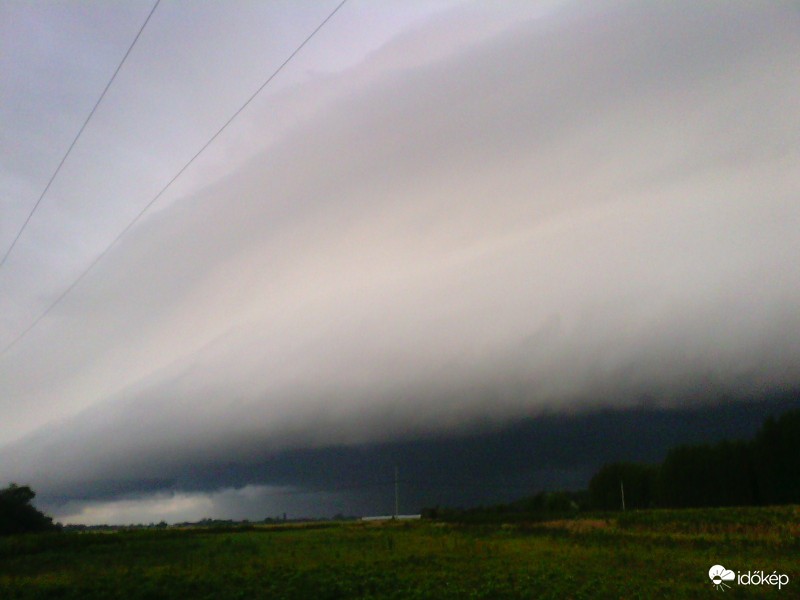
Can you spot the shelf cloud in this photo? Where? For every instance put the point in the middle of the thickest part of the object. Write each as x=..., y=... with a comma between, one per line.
x=595, y=207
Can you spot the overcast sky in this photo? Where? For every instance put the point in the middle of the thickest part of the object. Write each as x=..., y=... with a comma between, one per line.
x=441, y=219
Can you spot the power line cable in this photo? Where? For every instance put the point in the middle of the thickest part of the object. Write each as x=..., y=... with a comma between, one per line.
x=77, y=136
x=141, y=213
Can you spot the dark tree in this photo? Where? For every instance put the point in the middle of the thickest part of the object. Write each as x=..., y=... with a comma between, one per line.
x=777, y=459
x=17, y=515
x=719, y=475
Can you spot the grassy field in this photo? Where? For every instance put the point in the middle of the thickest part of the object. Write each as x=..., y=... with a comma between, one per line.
x=647, y=554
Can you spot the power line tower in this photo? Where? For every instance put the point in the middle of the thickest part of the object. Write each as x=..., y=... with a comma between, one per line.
x=396, y=493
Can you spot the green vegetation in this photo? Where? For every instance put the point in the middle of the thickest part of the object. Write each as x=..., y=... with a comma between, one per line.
x=541, y=507
x=17, y=515
x=637, y=554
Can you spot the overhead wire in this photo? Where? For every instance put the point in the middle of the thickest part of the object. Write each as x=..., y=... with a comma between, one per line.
x=147, y=206
x=77, y=137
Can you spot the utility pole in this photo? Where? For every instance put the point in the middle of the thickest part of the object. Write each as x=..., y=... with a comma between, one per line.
x=396, y=494
x=622, y=493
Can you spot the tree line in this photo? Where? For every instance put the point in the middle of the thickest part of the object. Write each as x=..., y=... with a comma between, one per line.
x=761, y=471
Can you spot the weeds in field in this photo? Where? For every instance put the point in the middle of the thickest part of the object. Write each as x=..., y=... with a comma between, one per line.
x=637, y=554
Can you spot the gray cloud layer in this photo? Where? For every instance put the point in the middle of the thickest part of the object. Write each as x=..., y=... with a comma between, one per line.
x=590, y=208
x=552, y=451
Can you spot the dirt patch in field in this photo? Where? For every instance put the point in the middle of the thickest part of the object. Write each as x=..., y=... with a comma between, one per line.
x=571, y=525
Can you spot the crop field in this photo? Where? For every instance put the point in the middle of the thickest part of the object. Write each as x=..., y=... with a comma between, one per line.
x=641, y=554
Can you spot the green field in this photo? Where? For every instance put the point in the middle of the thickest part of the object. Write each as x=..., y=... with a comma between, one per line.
x=643, y=554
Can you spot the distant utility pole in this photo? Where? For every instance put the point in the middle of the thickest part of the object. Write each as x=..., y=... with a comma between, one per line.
x=622, y=493
x=396, y=494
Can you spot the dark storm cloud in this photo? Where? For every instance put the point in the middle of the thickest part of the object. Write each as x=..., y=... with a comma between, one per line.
x=554, y=451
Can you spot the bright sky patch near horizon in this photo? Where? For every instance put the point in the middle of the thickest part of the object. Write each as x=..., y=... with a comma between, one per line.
x=440, y=214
